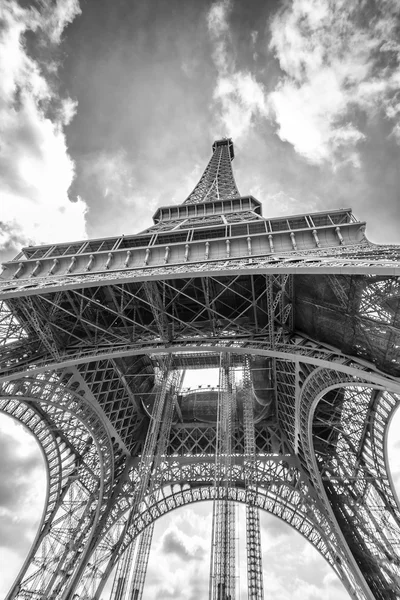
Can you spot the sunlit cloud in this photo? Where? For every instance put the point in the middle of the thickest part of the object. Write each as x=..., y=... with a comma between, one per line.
x=22, y=490
x=332, y=55
x=109, y=179
x=36, y=169
x=239, y=97
x=176, y=542
x=180, y=557
x=282, y=203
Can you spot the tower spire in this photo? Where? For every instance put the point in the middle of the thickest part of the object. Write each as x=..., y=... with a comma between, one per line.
x=217, y=181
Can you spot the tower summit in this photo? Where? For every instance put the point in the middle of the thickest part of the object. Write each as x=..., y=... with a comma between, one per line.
x=299, y=314
x=217, y=181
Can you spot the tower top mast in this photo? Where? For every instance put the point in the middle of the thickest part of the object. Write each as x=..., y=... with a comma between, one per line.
x=217, y=181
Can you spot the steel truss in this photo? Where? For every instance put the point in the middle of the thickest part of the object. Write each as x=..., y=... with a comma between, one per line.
x=255, y=584
x=140, y=568
x=122, y=574
x=95, y=337
x=217, y=181
x=115, y=530
x=155, y=448
x=276, y=499
x=223, y=556
x=130, y=575
x=78, y=453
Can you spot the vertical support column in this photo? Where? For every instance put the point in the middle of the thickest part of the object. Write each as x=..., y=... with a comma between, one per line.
x=271, y=307
x=85, y=479
x=154, y=449
x=106, y=559
x=140, y=568
x=253, y=533
x=255, y=582
x=121, y=578
x=223, y=556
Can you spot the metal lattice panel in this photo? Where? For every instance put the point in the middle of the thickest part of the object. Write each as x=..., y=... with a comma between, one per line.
x=140, y=567
x=217, y=180
x=95, y=337
x=253, y=534
x=85, y=468
x=223, y=556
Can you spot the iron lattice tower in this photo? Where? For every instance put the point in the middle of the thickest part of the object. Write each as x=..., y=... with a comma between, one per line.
x=300, y=314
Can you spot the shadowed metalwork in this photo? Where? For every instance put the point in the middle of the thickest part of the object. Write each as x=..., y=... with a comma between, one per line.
x=301, y=316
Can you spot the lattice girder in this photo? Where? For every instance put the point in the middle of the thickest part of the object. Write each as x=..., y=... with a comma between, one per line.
x=223, y=563
x=103, y=561
x=86, y=328
x=11, y=330
x=253, y=534
x=80, y=475
x=287, y=496
x=348, y=467
x=122, y=574
x=136, y=571
x=359, y=259
x=217, y=181
x=198, y=467
x=90, y=324
x=140, y=567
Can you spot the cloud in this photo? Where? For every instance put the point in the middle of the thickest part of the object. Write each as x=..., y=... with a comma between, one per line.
x=22, y=491
x=55, y=16
x=107, y=180
x=341, y=66
x=239, y=97
x=36, y=170
x=20, y=455
x=276, y=530
x=174, y=542
x=393, y=449
x=293, y=588
x=180, y=556
x=282, y=203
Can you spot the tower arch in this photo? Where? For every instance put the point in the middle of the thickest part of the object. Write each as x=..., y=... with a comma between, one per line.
x=94, y=337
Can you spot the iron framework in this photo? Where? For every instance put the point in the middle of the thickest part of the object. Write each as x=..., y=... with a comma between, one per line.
x=95, y=339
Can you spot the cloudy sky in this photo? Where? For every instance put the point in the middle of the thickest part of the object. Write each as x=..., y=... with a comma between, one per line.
x=108, y=109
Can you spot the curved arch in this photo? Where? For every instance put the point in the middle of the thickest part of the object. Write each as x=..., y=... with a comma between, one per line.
x=347, y=370
x=185, y=497
x=307, y=528
x=83, y=484
x=340, y=558
x=352, y=478
x=312, y=353
x=282, y=491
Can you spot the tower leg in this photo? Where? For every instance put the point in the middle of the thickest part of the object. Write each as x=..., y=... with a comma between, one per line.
x=45, y=404
x=108, y=548
x=140, y=567
x=121, y=579
x=253, y=534
x=254, y=555
x=223, y=556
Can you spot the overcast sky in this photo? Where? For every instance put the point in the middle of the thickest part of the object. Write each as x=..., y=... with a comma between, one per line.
x=108, y=109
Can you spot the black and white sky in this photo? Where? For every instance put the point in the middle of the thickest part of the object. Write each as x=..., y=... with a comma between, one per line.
x=108, y=109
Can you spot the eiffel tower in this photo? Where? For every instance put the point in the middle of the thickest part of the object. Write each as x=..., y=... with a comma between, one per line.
x=300, y=317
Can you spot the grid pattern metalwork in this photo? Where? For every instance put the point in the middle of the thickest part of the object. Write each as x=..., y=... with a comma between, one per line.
x=255, y=584
x=217, y=181
x=95, y=337
x=223, y=556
